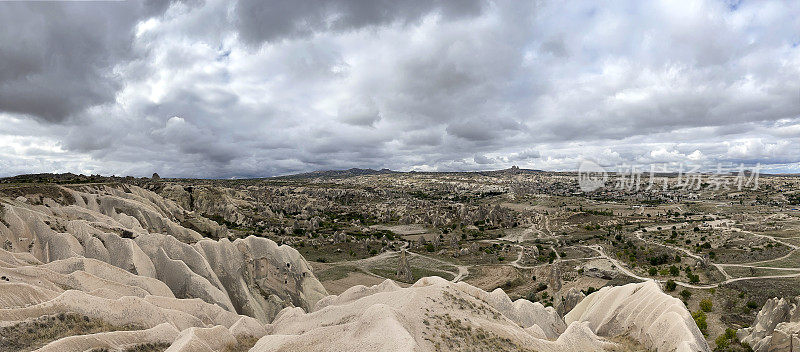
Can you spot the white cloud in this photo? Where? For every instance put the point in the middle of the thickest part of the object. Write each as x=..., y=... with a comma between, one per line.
x=207, y=90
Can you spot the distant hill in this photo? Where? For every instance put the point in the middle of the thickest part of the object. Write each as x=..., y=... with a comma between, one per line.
x=360, y=172
x=338, y=173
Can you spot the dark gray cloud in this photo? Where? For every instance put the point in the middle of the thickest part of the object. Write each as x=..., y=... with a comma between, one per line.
x=251, y=88
x=57, y=58
x=258, y=21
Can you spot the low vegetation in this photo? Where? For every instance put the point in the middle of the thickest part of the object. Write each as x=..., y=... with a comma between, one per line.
x=36, y=333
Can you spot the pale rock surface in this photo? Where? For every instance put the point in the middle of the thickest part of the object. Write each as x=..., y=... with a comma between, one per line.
x=202, y=340
x=139, y=232
x=386, y=317
x=436, y=314
x=523, y=312
x=569, y=301
x=114, y=340
x=186, y=324
x=776, y=327
x=642, y=312
x=19, y=294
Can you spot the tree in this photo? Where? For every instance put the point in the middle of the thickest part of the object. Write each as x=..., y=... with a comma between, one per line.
x=674, y=271
x=685, y=294
x=670, y=285
x=700, y=319
x=706, y=305
x=722, y=343
x=653, y=271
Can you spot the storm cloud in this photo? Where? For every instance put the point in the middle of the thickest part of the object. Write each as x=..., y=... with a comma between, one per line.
x=259, y=88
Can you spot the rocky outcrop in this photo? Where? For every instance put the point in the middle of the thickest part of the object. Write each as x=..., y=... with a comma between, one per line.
x=435, y=314
x=225, y=203
x=642, y=312
x=555, y=277
x=98, y=290
x=776, y=328
x=140, y=234
x=432, y=314
x=569, y=301
x=403, y=269
x=600, y=268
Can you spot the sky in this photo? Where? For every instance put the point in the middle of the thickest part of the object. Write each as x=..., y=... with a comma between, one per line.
x=255, y=88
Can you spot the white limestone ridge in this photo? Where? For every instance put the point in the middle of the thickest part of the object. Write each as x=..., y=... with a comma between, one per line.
x=435, y=314
x=642, y=312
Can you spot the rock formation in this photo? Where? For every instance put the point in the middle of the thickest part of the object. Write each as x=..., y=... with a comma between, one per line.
x=569, y=301
x=140, y=232
x=98, y=290
x=403, y=269
x=555, y=277
x=642, y=312
x=776, y=328
x=435, y=314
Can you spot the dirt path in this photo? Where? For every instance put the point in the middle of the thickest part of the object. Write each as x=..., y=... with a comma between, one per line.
x=629, y=273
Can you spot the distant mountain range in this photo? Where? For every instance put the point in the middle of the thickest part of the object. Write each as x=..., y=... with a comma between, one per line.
x=361, y=172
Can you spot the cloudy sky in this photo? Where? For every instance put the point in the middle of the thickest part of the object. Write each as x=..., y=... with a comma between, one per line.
x=246, y=88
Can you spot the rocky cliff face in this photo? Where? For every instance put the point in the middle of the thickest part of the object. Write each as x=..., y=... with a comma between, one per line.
x=776, y=328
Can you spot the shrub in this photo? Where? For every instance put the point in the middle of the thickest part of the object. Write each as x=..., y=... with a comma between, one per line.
x=541, y=287
x=686, y=294
x=673, y=270
x=722, y=342
x=670, y=285
x=725, y=340
x=730, y=334
x=752, y=304
x=700, y=319
x=653, y=271
x=706, y=305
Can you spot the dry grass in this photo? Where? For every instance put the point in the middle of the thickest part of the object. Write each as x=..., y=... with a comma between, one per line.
x=243, y=344
x=450, y=334
x=36, y=333
x=145, y=347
